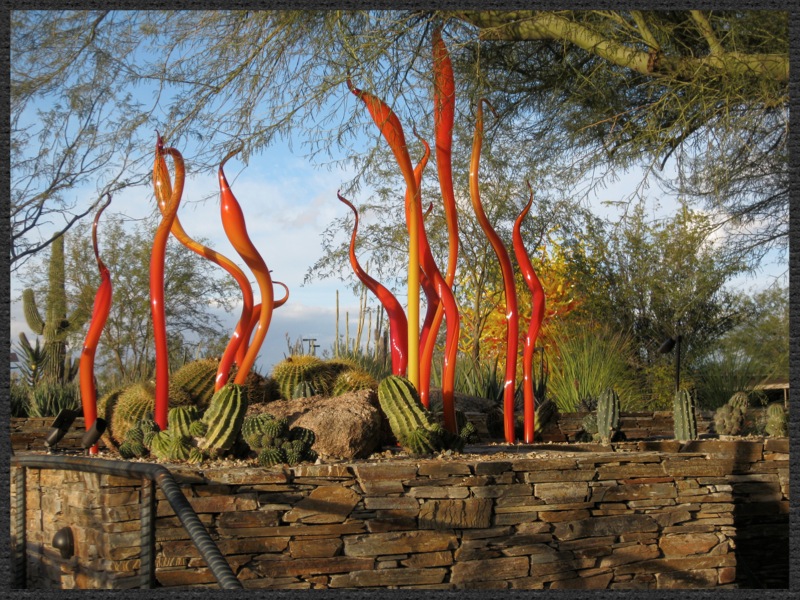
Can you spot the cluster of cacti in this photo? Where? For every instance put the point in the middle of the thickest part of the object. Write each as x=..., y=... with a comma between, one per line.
x=411, y=423
x=684, y=408
x=190, y=435
x=776, y=420
x=57, y=367
x=607, y=415
x=303, y=375
x=276, y=443
x=729, y=419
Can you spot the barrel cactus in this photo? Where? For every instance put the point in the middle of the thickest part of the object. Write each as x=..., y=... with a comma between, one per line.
x=728, y=420
x=180, y=418
x=223, y=419
x=271, y=456
x=776, y=420
x=295, y=369
x=684, y=415
x=254, y=428
x=194, y=383
x=304, y=389
x=131, y=406
x=353, y=380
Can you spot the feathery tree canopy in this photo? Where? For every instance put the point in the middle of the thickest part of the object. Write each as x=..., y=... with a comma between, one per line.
x=700, y=94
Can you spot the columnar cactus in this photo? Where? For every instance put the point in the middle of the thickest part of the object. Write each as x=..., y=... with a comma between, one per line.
x=56, y=325
x=776, y=420
x=607, y=415
x=223, y=418
x=411, y=424
x=685, y=420
x=401, y=405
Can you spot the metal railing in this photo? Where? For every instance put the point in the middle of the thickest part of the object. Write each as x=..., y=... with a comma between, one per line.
x=149, y=473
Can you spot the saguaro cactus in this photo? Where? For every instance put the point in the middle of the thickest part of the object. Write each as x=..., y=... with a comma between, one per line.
x=56, y=325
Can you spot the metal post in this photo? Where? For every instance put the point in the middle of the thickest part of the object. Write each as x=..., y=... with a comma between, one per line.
x=678, y=364
x=147, y=514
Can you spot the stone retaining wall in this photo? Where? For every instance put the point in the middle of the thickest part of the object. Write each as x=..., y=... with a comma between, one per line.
x=647, y=515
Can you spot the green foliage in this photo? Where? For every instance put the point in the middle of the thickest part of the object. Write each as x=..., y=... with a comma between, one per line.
x=722, y=374
x=32, y=363
x=48, y=399
x=473, y=377
x=19, y=397
x=684, y=415
x=590, y=360
x=125, y=352
x=762, y=338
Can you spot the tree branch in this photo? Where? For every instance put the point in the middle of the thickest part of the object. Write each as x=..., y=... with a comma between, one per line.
x=543, y=25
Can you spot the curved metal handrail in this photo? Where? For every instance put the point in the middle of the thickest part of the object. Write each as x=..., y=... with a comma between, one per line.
x=155, y=473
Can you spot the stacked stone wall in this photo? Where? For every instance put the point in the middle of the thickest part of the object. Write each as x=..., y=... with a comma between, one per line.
x=646, y=515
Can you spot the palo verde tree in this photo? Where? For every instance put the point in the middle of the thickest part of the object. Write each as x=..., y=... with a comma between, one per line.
x=705, y=93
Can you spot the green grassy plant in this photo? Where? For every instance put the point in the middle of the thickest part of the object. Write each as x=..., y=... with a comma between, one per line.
x=48, y=399
x=590, y=359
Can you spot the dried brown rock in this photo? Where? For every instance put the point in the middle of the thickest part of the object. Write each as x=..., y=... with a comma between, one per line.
x=346, y=427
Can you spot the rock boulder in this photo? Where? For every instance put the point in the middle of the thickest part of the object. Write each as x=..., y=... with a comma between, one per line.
x=346, y=427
